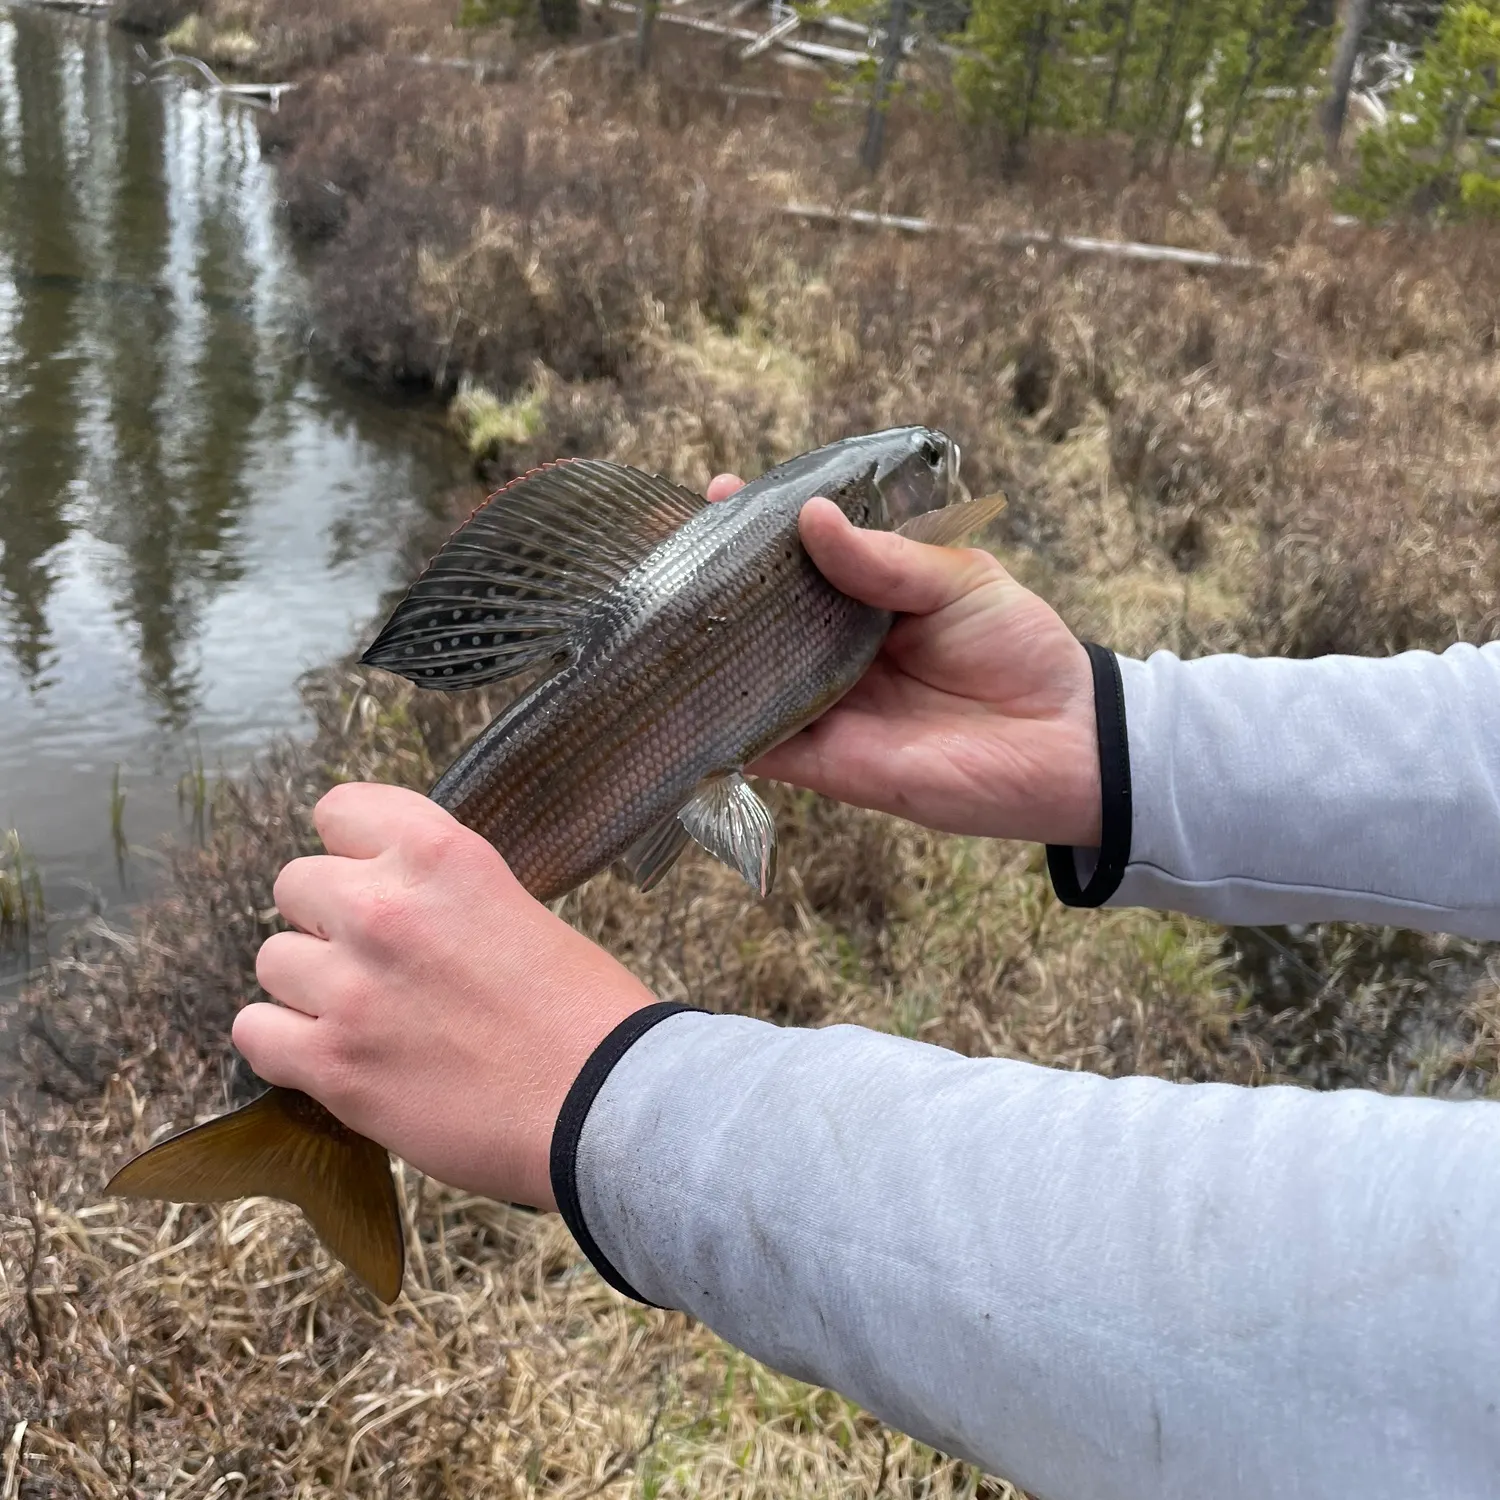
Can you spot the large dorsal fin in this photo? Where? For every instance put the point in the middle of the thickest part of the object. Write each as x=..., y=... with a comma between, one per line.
x=510, y=585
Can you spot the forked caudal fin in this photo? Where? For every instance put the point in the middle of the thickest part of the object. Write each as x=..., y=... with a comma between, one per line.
x=286, y=1145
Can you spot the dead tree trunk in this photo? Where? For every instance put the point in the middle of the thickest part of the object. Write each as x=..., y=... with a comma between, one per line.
x=645, y=27
x=559, y=17
x=1117, y=73
x=1341, y=74
x=873, y=148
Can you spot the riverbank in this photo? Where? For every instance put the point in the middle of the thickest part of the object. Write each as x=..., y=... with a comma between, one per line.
x=1295, y=461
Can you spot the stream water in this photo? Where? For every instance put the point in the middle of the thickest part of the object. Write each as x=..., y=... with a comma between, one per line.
x=191, y=513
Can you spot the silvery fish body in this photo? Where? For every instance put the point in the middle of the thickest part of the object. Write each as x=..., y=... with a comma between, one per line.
x=673, y=642
x=717, y=641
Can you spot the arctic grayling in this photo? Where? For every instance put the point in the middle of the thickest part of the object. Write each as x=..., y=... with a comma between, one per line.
x=672, y=642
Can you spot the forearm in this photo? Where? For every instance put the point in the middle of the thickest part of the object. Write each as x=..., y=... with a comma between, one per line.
x=1342, y=788
x=1095, y=1288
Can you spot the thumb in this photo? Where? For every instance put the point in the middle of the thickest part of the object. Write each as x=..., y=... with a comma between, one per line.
x=887, y=570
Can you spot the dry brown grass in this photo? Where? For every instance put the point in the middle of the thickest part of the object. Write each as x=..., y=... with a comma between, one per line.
x=1297, y=462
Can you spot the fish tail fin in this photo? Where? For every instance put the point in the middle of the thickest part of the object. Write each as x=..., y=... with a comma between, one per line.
x=286, y=1145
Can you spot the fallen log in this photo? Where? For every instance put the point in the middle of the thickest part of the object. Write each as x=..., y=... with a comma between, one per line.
x=787, y=47
x=768, y=96
x=1018, y=239
x=252, y=93
x=769, y=39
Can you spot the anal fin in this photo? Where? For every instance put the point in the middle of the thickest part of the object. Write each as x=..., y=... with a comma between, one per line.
x=953, y=523
x=735, y=826
x=286, y=1145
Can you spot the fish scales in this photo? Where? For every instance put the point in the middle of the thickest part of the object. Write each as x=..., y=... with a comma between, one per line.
x=676, y=642
x=722, y=643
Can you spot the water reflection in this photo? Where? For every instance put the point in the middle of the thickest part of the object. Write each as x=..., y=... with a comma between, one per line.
x=177, y=491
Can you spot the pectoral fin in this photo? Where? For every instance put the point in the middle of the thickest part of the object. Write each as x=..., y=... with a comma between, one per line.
x=954, y=523
x=286, y=1145
x=735, y=826
x=654, y=853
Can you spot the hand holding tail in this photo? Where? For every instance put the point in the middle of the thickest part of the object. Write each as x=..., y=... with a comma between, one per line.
x=426, y=1000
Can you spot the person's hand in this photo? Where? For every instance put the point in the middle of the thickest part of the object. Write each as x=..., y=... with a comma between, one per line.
x=428, y=1001
x=977, y=716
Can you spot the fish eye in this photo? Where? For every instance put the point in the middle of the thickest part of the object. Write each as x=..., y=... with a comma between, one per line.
x=931, y=453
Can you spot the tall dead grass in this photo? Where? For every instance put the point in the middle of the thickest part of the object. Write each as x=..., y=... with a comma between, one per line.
x=1301, y=461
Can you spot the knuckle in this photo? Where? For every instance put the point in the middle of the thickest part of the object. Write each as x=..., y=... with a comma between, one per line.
x=335, y=1076
x=247, y=1038
x=430, y=844
x=985, y=565
x=340, y=1065
x=893, y=564
x=334, y=798
x=441, y=842
x=372, y=909
x=344, y=995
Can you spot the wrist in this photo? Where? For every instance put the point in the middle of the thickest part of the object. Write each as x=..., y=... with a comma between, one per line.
x=566, y=1053
x=572, y=1117
x=1079, y=804
x=1091, y=881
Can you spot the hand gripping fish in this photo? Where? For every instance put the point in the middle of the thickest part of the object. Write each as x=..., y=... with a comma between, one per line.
x=675, y=642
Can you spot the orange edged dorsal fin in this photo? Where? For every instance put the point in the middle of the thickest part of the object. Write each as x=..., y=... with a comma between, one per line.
x=511, y=588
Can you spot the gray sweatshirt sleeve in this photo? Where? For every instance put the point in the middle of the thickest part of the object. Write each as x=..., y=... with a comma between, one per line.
x=1119, y=1289
x=1264, y=790
x=1099, y=1289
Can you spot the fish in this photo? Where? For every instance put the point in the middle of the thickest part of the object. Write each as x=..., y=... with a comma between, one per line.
x=671, y=642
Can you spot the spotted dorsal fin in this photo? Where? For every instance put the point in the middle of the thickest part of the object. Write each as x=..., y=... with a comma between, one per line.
x=509, y=587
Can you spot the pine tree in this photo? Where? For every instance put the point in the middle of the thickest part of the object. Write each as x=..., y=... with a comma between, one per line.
x=1431, y=157
x=1164, y=72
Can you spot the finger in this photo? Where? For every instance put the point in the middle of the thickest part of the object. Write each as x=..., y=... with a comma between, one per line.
x=360, y=819
x=277, y=1043
x=798, y=761
x=888, y=570
x=722, y=486
x=296, y=970
x=310, y=891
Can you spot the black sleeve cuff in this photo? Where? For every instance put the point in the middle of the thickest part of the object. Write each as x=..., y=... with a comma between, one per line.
x=1114, y=785
x=563, y=1162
